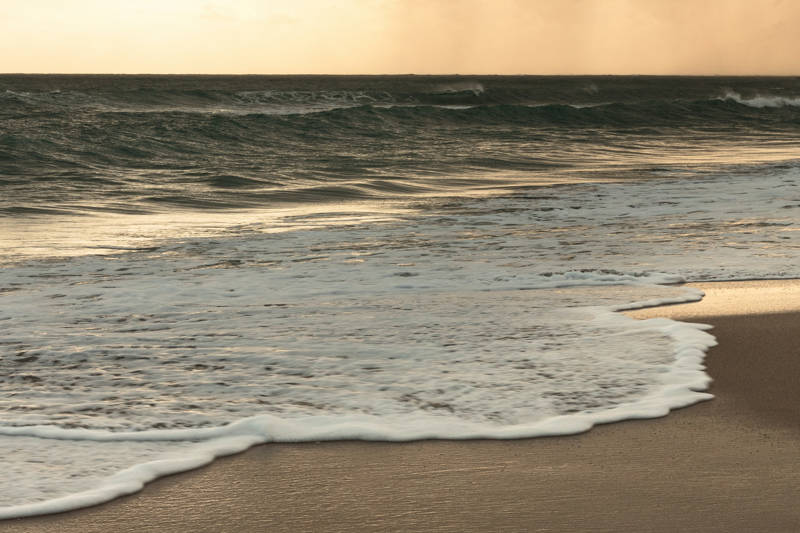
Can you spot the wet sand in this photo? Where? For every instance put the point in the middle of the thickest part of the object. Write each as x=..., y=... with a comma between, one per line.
x=730, y=464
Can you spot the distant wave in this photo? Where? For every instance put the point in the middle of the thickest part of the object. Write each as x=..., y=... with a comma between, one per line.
x=267, y=101
x=448, y=102
x=473, y=87
x=647, y=114
x=761, y=101
x=484, y=100
x=591, y=88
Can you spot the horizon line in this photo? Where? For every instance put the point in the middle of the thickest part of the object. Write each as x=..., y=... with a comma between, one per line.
x=409, y=74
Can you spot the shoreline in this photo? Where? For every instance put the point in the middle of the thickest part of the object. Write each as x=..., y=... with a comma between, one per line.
x=723, y=465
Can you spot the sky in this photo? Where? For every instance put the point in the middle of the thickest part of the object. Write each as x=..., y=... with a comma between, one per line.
x=401, y=36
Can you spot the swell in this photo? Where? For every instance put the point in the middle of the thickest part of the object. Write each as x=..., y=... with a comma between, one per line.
x=674, y=114
x=353, y=110
x=146, y=144
x=172, y=139
x=156, y=161
x=301, y=94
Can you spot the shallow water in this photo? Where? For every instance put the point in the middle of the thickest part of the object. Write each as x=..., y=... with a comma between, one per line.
x=185, y=275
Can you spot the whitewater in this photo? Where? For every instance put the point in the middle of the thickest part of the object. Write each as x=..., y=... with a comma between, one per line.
x=153, y=318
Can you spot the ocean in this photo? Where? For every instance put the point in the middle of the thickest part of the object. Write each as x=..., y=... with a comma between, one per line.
x=192, y=265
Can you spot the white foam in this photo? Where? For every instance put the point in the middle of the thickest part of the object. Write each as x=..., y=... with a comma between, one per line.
x=761, y=101
x=674, y=384
x=473, y=87
x=679, y=387
x=493, y=318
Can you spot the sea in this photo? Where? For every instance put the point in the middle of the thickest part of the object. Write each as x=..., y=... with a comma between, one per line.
x=193, y=265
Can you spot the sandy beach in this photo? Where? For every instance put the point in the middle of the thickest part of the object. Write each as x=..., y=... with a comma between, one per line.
x=730, y=464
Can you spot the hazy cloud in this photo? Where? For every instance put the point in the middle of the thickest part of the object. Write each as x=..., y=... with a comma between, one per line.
x=391, y=36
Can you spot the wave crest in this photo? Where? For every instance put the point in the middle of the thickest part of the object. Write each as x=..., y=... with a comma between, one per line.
x=465, y=87
x=761, y=101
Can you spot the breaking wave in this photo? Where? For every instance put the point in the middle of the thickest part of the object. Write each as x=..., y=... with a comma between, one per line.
x=762, y=101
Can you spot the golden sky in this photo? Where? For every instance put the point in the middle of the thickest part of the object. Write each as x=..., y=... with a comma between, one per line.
x=401, y=36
